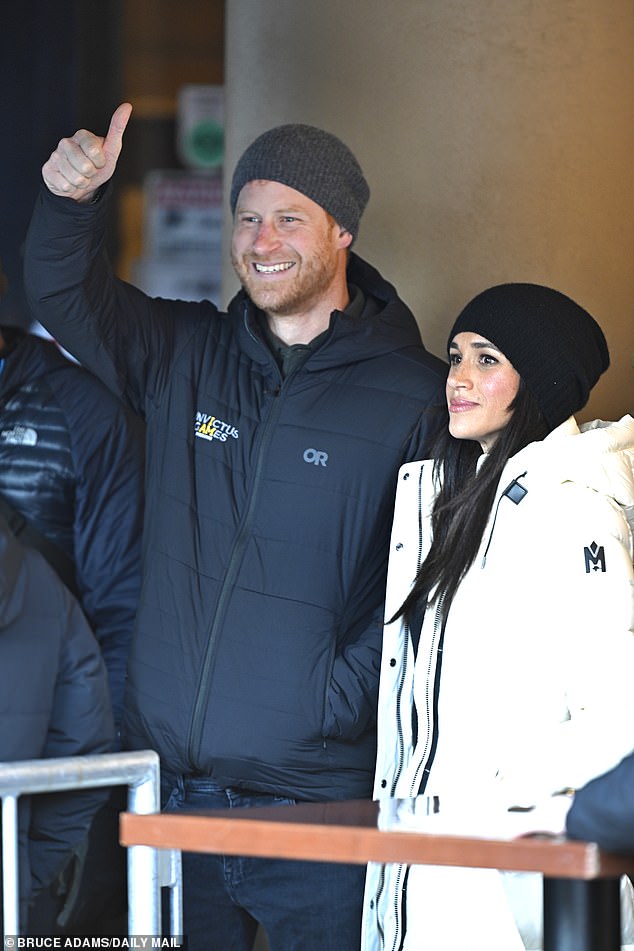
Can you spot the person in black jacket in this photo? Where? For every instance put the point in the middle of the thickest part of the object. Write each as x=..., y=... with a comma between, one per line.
x=71, y=464
x=274, y=433
x=603, y=810
x=71, y=485
x=55, y=702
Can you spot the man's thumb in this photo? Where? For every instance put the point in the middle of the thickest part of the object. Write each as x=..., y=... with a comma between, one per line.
x=114, y=137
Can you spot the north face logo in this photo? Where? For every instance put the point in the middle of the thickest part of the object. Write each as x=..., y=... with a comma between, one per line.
x=19, y=436
x=595, y=557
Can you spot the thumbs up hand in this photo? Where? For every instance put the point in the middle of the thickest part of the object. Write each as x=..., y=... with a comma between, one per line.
x=81, y=164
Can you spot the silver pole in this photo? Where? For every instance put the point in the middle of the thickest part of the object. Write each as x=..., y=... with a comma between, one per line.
x=137, y=770
x=144, y=885
x=176, y=893
x=10, y=866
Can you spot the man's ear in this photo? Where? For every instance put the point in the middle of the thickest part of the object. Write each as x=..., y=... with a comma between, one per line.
x=345, y=238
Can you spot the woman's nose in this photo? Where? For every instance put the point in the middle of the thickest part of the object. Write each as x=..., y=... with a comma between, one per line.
x=459, y=376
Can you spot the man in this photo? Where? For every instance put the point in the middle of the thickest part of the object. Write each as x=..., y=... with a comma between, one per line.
x=71, y=486
x=71, y=469
x=275, y=433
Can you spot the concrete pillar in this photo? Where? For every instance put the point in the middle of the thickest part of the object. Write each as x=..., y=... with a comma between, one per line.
x=497, y=138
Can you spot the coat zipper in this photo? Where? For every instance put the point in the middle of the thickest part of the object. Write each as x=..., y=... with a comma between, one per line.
x=507, y=493
x=242, y=537
x=402, y=871
x=421, y=775
x=399, y=716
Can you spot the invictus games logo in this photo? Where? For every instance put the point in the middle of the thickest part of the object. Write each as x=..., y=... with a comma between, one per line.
x=210, y=427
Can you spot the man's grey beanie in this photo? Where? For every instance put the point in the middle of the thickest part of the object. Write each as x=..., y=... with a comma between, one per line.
x=313, y=162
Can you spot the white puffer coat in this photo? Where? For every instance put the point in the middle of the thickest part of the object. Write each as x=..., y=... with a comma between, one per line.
x=530, y=691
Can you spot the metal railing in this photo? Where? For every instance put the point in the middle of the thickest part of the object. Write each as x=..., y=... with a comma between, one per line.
x=148, y=869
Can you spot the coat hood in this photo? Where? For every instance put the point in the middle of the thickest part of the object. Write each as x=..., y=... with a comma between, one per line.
x=597, y=455
x=28, y=357
x=392, y=328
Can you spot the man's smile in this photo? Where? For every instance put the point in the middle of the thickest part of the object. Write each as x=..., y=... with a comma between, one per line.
x=273, y=268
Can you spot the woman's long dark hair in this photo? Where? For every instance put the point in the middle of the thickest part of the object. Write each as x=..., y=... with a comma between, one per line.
x=462, y=507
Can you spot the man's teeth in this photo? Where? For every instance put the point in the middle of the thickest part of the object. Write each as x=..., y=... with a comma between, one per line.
x=273, y=268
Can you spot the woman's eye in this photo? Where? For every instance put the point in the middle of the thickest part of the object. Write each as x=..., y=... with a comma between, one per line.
x=454, y=359
x=488, y=360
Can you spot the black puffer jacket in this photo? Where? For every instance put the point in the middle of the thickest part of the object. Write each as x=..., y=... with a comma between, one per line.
x=53, y=702
x=268, y=509
x=603, y=810
x=71, y=462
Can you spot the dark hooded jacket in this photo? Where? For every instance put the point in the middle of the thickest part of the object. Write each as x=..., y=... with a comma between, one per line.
x=71, y=463
x=54, y=702
x=603, y=810
x=268, y=509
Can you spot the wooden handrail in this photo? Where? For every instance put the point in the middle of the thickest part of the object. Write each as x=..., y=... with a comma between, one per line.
x=348, y=832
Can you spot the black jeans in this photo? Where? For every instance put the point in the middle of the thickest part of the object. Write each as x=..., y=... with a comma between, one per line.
x=303, y=906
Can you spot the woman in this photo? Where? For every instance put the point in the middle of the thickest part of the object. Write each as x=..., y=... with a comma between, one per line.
x=508, y=654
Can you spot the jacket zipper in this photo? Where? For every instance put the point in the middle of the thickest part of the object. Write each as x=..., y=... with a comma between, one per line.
x=504, y=494
x=399, y=716
x=242, y=537
x=401, y=872
x=423, y=768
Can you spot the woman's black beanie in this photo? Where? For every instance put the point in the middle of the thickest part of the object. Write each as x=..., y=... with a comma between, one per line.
x=554, y=344
x=313, y=162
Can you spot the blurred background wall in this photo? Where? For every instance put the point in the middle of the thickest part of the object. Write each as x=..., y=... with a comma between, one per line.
x=497, y=138
x=497, y=135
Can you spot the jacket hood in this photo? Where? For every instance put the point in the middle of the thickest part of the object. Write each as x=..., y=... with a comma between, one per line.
x=28, y=358
x=597, y=455
x=389, y=324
